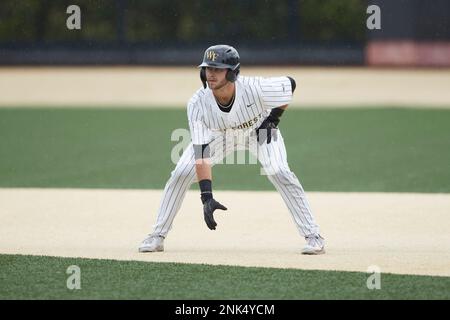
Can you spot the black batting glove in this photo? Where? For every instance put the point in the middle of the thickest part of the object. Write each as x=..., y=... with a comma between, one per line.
x=209, y=206
x=269, y=128
x=266, y=131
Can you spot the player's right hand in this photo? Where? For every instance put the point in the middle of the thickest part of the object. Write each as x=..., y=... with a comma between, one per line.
x=209, y=206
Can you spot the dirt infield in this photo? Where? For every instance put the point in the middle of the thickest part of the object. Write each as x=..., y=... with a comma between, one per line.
x=399, y=233
x=172, y=87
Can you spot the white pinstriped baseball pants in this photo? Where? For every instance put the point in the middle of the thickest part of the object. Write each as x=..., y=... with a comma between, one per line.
x=272, y=158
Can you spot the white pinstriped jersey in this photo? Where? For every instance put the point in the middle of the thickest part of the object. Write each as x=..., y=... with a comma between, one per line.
x=255, y=96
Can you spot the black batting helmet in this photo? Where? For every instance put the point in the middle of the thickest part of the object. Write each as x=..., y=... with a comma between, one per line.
x=220, y=56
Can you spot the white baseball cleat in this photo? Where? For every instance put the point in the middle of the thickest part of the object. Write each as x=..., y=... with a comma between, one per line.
x=315, y=245
x=153, y=243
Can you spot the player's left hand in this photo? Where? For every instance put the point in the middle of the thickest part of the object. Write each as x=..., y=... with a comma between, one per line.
x=266, y=131
x=208, y=209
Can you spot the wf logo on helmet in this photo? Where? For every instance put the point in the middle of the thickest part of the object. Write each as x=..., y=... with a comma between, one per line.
x=211, y=55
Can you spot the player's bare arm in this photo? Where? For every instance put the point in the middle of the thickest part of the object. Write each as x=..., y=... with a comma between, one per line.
x=203, y=169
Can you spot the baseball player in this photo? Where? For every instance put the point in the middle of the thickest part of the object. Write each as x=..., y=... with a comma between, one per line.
x=251, y=107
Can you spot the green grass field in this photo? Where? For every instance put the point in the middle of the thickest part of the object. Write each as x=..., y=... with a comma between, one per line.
x=386, y=150
x=36, y=277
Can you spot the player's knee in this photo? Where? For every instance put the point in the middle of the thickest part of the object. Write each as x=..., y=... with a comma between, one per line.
x=285, y=175
x=276, y=171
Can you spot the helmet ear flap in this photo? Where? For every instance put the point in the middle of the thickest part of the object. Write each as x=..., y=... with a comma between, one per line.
x=203, y=76
x=232, y=74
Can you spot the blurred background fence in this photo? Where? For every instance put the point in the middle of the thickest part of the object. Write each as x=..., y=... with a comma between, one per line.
x=176, y=32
